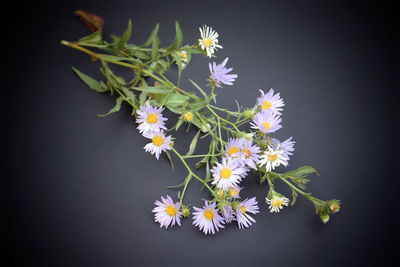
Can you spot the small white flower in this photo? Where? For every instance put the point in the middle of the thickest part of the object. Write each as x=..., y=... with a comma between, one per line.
x=159, y=142
x=272, y=158
x=209, y=40
x=277, y=203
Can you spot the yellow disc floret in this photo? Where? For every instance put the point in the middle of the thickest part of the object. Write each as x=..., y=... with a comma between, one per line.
x=188, y=116
x=209, y=214
x=273, y=157
x=207, y=42
x=152, y=118
x=171, y=210
x=232, y=151
x=266, y=105
x=266, y=125
x=225, y=173
x=276, y=203
x=247, y=152
x=158, y=140
x=243, y=209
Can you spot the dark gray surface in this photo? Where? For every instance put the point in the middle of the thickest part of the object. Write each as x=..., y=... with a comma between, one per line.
x=79, y=189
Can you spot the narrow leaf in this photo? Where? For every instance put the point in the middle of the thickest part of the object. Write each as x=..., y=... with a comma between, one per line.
x=92, y=83
x=193, y=144
x=91, y=20
x=153, y=33
x=116, y=108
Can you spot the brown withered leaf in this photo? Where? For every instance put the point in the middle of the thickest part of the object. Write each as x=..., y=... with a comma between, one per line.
x=91, y=20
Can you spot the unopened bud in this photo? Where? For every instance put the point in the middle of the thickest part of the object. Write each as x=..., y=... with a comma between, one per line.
x=185, y=212
x=324, y=218
x=248, y=113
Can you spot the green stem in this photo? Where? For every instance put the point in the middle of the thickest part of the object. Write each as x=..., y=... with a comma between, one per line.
x=184, y=189
x=300, y=191
x=191, y=172
x=202, y=156
x=222, y=119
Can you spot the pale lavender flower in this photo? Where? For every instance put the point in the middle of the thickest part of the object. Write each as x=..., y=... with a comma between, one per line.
x=150, y=118
x=234, y=191
x=228, y=214
x=219, y=74
x=159, y=142
x=270, y=101
x=251, y=153
x=286, y=146
x=242, y=212
x=234, y=148
x=228, y=173
x=267, y=121
x=207, y=218
x=167, y=212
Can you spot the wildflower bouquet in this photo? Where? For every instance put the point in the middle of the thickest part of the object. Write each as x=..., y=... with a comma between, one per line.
x=234, y=150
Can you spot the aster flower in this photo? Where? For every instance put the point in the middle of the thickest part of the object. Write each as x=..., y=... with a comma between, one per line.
x=150, y=118
x=276, y=203
x=251, y=153
x=234, y=191
x=184, y=57
x=167, y=212
x=270, y=101
x=228, y=173
x=209, y=40
x=272, y=158
x=228, y=214
x=234, y=148
x=207, y=218
x=219, y=74
x=159, y=143
x=287, y=147
x=188, y=116
x=242, y=212
x=267, y=121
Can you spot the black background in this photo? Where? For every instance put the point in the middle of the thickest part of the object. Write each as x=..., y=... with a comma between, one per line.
x=78, y=189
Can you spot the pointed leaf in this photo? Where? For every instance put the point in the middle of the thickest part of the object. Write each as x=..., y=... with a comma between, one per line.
x=92, y=83
x=116, y=108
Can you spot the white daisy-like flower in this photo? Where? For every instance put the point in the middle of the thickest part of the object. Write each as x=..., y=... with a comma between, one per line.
x=228, y=173
x=272, y=158
x=209, y=40
x=242, y=212
x=150, y=118
x=277, y=203
x=167, y=212
x=207, y=218
x=159, y=142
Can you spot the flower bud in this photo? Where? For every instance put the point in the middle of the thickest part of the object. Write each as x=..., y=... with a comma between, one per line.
x=324, y=218
x=248, y=113
x=334, y=207
x=188, y=116
x=185, y=212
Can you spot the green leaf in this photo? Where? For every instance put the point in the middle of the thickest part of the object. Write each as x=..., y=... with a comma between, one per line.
x=300, y=172
x=199, y=88
x=170, y=160
x=178, y=37
x=176, y=100
x=92, y=83
x=153, y=89
x=116, y=108
x=94, y=38
x=193, y=144
x=294, y=197
x=154, y=48
x=153, y=33
x=126, y=35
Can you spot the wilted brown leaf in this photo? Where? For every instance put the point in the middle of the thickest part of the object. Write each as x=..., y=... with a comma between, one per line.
x=91, y=20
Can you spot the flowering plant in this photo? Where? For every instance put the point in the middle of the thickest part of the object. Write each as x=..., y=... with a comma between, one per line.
x=233, y=152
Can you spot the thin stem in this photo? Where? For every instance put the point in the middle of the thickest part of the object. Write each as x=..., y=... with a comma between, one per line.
x=202, y=156
x=191, y=172
x=222, y=119
x=300, y=191
x=184, y=189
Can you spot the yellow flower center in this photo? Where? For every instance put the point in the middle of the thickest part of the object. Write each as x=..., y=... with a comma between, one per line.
x=232, y=151
x=266, y=125
x=158, y=140
x=171, y=210
x=152, y=118
x=188, y=116
x=225, y=173
x=247, y=152
x=209, y=214
x=335, y=207
x=266, y=105
x=221, y=193
x=184, y=57
x=233, y=192
x=207, y=42
x=243, y=209
x=272, y=158
x=276, y=203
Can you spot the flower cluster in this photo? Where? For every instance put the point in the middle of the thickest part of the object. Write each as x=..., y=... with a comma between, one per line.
x=233, y=154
